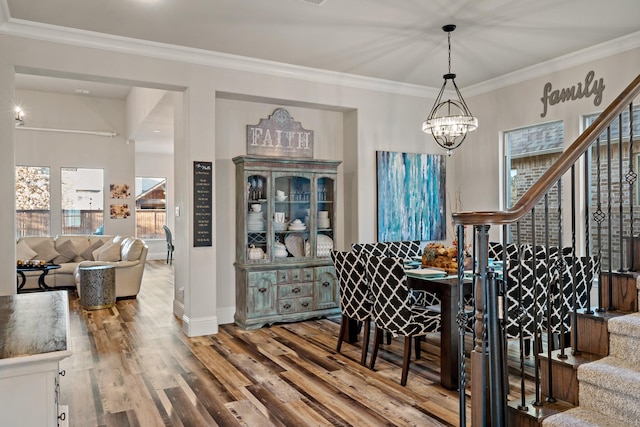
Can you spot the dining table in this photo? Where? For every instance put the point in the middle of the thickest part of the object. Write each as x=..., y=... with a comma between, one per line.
x=448, y=289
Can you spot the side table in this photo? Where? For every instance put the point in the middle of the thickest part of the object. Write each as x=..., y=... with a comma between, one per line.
x=97, y=286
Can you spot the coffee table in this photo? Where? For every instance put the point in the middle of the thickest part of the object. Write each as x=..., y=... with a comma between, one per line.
x=44, y=269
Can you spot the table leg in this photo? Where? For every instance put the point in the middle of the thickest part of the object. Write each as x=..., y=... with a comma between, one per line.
x=449, y=348
x=41, y=282
x=22, y=280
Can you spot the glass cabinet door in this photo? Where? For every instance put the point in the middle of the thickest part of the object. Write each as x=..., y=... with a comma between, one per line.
x=256, y=214
x=292, y=224
x=325, y=193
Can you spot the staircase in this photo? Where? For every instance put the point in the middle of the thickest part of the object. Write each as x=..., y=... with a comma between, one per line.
x=594, y=378
x=609, y=388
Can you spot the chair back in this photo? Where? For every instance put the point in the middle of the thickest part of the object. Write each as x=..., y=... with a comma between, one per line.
x=404, y=249
x=355, y=300
x=376, y=248
x=168, y=236
x=524, y=279
x=392, y=310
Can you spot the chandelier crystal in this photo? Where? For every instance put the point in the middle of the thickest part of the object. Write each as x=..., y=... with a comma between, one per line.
x=449, y=121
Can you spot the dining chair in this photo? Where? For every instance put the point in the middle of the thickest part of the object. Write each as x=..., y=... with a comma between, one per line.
x=170, y=247
x=587, y=268
x=355, y=299
x=407, y=249
x=392, y=310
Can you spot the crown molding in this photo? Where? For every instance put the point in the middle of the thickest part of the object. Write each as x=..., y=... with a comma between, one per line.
x=90, y=39
x=593, y=53
x=82, y=38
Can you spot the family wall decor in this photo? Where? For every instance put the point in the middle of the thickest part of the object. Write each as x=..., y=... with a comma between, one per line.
x=279, y=136
x=591, y=87
x=411, y=196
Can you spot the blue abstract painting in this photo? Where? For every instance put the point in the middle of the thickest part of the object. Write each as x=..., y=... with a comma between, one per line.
x=411, y=196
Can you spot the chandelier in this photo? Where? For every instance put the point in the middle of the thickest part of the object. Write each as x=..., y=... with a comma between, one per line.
x=449, y=121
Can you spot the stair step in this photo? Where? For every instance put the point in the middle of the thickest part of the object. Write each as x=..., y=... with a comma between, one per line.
x=564, y=366
x=531, y=415
x=581, y=417
x=624, y=337
x=611, y=386
x=593, y=330
x=624, y=290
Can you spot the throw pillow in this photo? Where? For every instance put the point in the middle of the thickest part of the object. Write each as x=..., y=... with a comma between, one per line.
x=67, y=252
x=88, y=253
x=109, y=252
x=24, y=251
x=46, y=251
x=132, y=249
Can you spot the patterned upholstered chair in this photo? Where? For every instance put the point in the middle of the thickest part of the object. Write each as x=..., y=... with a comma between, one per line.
x=587, y=268
x=525, y=278
x=392, y=309
x=355, y=300
x=406, y=250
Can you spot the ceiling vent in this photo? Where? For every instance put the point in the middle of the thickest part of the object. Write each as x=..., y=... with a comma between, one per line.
x=314, y=2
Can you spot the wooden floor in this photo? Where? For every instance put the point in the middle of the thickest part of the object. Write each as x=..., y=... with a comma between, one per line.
x=133, y=366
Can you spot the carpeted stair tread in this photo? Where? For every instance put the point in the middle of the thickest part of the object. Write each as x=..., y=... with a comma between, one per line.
x=625, y=325
x=581, y=417
x=612, y=373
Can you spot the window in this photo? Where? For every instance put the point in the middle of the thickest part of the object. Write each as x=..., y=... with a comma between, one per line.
x=82, y=201
x=151, y=207
x=33, y=201
x=529, y=153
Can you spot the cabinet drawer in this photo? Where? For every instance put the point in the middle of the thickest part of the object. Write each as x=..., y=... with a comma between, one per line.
x=295, y=275
x=295, y=305
x=283, y=276
x=295, y=290
x=307, y=274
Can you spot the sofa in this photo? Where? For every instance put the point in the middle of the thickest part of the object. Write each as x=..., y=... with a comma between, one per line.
x=127, y=254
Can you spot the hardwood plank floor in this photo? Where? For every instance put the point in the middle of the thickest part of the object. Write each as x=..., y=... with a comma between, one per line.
x=133, y=366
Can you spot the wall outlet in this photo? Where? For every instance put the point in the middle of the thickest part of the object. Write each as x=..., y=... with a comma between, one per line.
x=177, y=210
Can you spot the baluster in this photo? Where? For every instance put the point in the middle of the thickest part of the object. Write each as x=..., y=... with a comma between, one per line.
x=609, y=224
x=631, y=178
x=462, y=323
x=587, y=234
x=620, y=194
x=598, y=215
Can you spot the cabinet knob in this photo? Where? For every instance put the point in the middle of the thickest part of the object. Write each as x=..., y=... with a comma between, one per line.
x=296, y=290
x=305, y=304
x=262, y=290
x=62, y=373
x=287, y=306
x=62, y=416
x=325, y=284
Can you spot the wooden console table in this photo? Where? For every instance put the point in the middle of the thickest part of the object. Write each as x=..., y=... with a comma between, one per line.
x=34, y=337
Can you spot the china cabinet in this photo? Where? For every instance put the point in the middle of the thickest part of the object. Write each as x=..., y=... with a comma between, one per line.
x=285, y=229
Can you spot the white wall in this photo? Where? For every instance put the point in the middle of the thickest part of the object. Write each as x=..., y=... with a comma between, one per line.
x=61, y=149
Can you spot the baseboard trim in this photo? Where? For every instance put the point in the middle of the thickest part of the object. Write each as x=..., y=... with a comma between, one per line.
x=226, y=315
x=199, y=327
x=178, y=308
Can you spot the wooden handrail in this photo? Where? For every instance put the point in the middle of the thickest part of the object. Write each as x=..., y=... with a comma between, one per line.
x=548, y=179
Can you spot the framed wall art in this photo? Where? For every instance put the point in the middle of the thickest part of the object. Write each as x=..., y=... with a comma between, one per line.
x=411, y=196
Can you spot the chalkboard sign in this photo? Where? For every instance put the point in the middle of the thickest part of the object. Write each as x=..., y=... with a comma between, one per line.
x=202, y=203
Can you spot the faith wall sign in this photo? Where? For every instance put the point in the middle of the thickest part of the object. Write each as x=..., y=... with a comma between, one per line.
x=591, y=87
x=279, y=136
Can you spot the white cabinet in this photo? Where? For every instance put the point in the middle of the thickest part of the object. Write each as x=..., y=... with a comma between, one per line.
x=34, y=333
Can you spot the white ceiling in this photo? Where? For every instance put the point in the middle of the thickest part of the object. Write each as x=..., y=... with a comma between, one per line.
x=400, y=40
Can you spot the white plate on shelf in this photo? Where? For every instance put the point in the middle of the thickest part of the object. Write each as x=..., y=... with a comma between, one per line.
x=297, y=227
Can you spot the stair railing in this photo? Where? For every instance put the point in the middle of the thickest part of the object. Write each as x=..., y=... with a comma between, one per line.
x=549, y=273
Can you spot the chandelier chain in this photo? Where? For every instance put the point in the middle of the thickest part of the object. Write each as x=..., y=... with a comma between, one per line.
x=449, y=41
